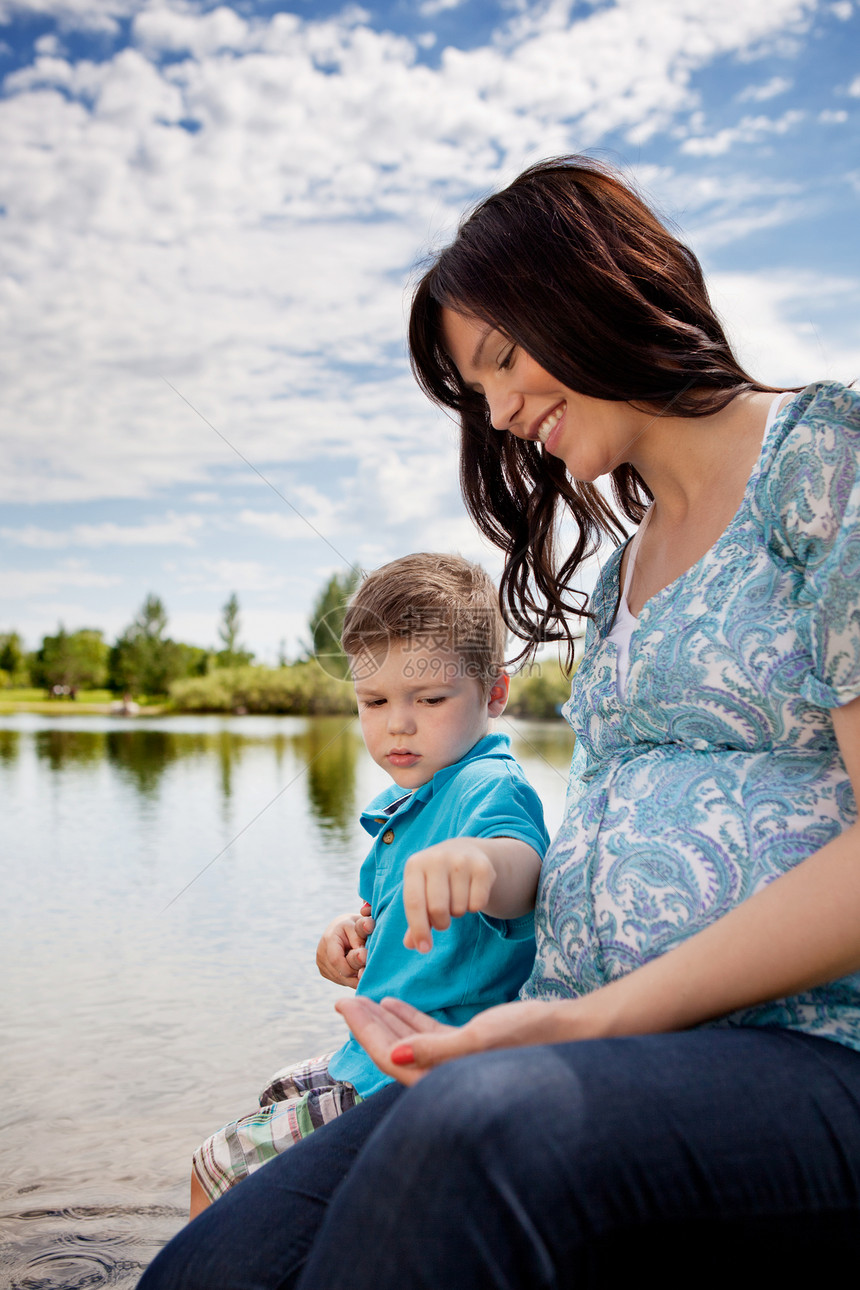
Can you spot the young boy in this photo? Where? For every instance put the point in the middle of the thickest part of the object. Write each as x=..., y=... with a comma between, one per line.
x=458, y=835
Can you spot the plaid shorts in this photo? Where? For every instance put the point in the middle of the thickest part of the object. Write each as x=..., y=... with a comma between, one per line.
x=295, y=1102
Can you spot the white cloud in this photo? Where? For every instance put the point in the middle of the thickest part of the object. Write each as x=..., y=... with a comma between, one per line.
x=29, y=583
x=430, y=8
x=760, y=93
x=719, y=209
x=164, y=29
x=306, y=514
x=779, y=324
x=174, y=530
x=854, y=88
x=254, y=256
x=50, y=46
x=232, y=575
x=842, y=9
x=83, y=15
x=750, y=130
x=828, y=117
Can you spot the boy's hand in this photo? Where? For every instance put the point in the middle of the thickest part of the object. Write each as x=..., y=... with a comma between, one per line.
x=341, y=953
x=443, y=882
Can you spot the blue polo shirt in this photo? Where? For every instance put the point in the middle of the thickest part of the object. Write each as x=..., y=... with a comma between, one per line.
x=478, y=961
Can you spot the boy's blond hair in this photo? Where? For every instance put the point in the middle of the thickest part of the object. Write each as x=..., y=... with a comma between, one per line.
x=437, y=601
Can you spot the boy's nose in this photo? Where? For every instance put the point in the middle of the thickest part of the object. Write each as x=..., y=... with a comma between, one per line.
x=401, y=721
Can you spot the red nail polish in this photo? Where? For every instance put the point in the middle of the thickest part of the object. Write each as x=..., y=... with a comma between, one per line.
x=403, y=1055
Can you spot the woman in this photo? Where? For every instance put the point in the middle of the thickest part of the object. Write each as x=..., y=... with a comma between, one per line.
x=708, y=867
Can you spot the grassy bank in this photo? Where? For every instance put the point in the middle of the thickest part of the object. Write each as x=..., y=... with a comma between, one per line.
x=86, y=702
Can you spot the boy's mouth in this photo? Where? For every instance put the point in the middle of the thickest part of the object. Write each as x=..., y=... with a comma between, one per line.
x=403, y=757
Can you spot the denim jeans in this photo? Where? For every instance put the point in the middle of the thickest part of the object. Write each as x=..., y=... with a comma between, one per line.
x=730, y=1153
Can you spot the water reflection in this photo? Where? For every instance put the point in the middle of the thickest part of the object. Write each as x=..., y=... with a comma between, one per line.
x=60, y=748
x=327, y=749
x=9, y=744
x=330, y=748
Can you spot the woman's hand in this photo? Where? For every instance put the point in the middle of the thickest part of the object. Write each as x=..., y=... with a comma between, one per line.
x=341, y=953
x=406, y=1043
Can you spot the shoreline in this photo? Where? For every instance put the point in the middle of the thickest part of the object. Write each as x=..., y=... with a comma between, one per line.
x=72, y=707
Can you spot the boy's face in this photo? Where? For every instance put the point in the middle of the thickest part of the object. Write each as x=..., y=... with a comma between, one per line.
x=420, y=711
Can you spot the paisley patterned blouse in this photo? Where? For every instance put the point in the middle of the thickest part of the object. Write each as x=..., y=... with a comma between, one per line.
x=719, y=770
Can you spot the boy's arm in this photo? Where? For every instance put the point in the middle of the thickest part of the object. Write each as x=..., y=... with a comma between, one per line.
x=495, y=876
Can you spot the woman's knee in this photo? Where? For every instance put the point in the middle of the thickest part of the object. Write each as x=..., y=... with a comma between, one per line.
x=486, y=1112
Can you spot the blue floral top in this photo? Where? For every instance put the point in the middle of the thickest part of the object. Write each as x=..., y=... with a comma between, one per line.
x=719, y=770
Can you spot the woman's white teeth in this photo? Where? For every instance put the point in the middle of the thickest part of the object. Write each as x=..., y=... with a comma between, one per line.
x=549, y=422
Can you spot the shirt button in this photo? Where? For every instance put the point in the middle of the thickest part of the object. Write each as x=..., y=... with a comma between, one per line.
x=388, y=835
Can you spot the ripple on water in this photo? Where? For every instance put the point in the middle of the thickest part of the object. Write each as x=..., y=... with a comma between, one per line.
x=79, y=1246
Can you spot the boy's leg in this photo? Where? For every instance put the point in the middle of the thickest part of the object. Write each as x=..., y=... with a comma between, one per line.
x=296, y=1079
x=241, y=1147
x=259, y=1234
x=199, y=1199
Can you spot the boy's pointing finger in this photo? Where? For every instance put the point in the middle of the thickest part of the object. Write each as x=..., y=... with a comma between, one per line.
x=418, y=936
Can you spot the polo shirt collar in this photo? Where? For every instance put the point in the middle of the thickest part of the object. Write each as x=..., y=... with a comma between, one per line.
x=495, y=746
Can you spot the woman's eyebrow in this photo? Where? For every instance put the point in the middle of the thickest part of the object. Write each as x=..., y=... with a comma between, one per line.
x=482, y=339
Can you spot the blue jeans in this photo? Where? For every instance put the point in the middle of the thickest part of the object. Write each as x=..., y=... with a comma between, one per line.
x=722, y=1152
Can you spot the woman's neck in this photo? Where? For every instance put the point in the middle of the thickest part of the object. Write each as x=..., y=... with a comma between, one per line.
x=697, y=470
x=696, y=464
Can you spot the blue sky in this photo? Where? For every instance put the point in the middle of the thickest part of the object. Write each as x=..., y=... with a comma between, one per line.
x=211, y=216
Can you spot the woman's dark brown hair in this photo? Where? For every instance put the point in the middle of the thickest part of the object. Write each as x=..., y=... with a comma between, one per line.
x=573, y=266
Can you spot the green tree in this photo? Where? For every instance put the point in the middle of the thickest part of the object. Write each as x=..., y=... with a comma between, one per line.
x=73, y=659
x=194, y=659
x=229, y=629
x=151, y=622
x=13, y=659
x=232, y=655
x=326, y=622
x=144, y=660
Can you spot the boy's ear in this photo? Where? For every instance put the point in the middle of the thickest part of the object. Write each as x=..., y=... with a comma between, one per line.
x=498, y=695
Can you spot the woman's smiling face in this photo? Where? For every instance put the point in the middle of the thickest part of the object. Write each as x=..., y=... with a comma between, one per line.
x=591, y=436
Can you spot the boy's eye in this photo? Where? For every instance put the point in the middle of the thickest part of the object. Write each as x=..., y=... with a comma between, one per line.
x=433, y=702
x=373, y=703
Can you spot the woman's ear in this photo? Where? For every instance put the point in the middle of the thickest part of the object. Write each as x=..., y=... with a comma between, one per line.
x=499, y=695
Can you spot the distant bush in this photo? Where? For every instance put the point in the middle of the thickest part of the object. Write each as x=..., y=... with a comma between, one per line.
x=302, y=689
x=539, y=690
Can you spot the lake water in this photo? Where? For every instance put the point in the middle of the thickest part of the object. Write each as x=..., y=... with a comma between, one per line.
x=164, y=883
